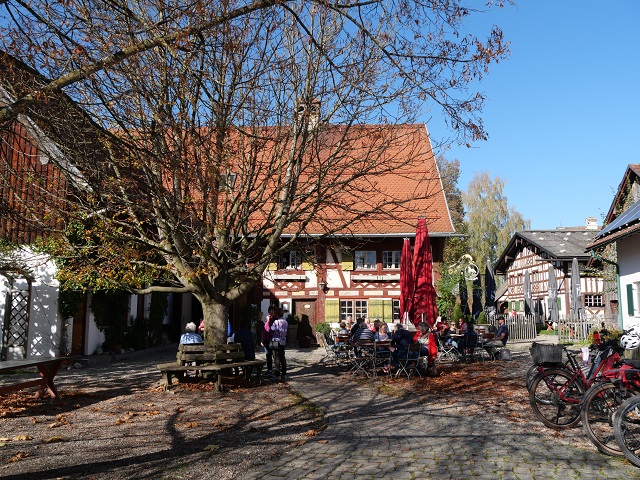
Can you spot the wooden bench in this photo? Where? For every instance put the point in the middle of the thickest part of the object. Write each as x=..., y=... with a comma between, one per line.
x=215, y=359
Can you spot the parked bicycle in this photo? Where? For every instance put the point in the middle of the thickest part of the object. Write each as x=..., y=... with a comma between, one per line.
x=626, y=420
x=602, y=400
x=557, y=389
x=626, y=427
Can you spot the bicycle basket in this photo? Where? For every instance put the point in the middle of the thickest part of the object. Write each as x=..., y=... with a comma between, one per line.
x=545, y=353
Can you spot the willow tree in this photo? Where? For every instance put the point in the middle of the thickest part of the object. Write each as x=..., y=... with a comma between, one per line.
x=223, y=133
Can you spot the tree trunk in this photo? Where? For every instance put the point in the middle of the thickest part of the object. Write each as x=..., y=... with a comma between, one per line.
x=216, y=317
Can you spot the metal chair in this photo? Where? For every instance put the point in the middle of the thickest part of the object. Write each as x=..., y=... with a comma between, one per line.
x=470, y=344
x=381, y=357
x=360, y=358
x=409, y=363
x=447, y=352
x=329, y=353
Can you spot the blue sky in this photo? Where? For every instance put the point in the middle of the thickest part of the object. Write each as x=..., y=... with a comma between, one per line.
x=563, y=112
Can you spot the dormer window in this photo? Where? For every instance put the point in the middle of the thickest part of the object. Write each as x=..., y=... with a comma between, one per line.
x=227, y=181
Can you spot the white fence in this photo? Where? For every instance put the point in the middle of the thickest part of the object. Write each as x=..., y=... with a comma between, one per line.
x=522, y=328
x=571, y=329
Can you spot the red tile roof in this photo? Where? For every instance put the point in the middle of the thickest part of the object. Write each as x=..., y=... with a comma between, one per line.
x=403, y=184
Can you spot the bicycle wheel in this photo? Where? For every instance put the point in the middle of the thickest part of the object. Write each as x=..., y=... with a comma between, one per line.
x=531, y=374
x=599, y=404
x=555, y=398
x=626, y=426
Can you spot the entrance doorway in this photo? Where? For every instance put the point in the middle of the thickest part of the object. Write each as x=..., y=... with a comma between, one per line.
x=305, y=307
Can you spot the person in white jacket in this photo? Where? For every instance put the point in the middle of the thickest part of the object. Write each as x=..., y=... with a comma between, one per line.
x=279, y=340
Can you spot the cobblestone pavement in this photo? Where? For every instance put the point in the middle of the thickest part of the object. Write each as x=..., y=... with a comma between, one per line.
x=373, y=435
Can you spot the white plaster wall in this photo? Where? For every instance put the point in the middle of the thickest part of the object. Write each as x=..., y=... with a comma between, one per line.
x=629, y=268
x=94, y=338
x=45, y=328
x=45, y=325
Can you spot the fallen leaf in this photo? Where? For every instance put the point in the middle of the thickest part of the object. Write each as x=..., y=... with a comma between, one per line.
x=19, y=456
x=323, y=441
x=56, y=439
x=22, y=438
x=191, y=425
x=211, y=448
x=299, y=443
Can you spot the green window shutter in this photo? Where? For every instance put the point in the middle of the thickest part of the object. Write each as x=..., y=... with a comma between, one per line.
x=630, y=309
x=332, y=310
x=559, y=300
x=272, y=266
x=387, y=315
x=306, y=266
x=347, y=260
x=376, y=309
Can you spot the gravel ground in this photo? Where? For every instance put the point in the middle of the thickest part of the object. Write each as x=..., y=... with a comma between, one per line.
x=116, y=422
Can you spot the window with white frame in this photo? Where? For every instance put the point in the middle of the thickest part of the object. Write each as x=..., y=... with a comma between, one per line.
x=365, y=259
x=593, y=300
x=353, y=309
x=290, y=260
x=391, y=259
x=361, y=308
x=396, y=309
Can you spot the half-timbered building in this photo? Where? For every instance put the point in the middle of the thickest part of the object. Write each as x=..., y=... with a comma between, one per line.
x=534, y=251
x=357, y=273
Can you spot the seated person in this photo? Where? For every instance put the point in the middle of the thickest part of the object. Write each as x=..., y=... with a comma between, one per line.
x=400, y=340
x=190, y=335
x=462, y=325
x=343, y=329
x=468, y=341
x=382, y=335
x=422, y=337
x=500, y=340
x=363, y=334
x=503, y=332
x=246, y=338
x=356, y=326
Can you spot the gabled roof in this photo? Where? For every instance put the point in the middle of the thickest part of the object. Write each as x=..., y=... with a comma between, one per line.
x=413, y=189
x=621, y=224
x=416, y=187
x=560, y=244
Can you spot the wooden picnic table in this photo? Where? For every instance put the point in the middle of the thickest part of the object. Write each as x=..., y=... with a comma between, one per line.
x=48, y=368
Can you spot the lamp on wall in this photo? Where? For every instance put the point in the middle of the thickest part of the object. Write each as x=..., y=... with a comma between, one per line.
x=322, y=285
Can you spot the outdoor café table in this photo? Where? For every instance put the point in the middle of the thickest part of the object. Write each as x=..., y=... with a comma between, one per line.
x=48, y=368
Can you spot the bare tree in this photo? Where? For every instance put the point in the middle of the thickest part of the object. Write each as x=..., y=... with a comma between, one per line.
x=222, y=135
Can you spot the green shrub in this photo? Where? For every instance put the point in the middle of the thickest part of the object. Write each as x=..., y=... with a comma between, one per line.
x=457, y=312
x=323, y=327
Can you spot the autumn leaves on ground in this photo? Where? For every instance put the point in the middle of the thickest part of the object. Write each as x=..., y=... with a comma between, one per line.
x=98, y=433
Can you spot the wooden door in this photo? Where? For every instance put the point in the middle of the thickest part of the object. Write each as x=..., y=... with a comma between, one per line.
x=305, y=307
x=78, y=330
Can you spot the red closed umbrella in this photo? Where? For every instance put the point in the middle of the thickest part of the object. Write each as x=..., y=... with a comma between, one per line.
x=406, y=281
x=424, y=295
